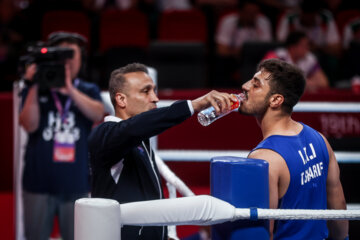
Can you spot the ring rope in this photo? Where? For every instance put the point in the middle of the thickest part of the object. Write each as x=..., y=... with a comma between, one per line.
x=296, y=214
x=332, y=107
x=209, y=210
x=100, y=218
x=205, y=155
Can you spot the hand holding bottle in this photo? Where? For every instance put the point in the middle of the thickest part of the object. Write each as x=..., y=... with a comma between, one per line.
x=221, y=101
x=209, y=115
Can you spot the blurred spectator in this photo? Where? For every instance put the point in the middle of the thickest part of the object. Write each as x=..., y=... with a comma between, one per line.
x=161, y=5
x=118, y=4
x=247, y=24
x=11, y=41
x=164, y=5
x=282, y=4
x=318, y=24
x=321, y=28
x=297, y=52
x=351, y=32
x=274, y=8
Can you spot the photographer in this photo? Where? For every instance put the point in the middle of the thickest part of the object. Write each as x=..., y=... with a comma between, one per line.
x=58, y=117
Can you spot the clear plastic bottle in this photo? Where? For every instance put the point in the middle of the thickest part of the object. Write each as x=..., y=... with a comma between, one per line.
x=208, y=115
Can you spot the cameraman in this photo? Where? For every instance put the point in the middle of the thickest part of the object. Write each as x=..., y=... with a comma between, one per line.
x=58, y=122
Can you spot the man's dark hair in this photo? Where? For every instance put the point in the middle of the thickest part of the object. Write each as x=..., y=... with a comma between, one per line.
x=285, y=79
x=117, y=79
x=294, y=38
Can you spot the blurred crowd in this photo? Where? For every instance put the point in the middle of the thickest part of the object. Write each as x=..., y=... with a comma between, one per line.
x=327, y=42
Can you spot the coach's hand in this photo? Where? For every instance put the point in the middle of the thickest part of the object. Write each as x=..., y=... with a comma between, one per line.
x=221, y=101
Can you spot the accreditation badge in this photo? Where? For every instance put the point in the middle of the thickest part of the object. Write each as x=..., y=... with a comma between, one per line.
x=64, y=152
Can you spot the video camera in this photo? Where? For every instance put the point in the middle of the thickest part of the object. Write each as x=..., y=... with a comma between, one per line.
x=50, y=65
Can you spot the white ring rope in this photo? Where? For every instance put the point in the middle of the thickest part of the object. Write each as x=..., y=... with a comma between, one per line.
x=338, y=107
x=206, y=155
x=171, y=177
x=96, y=218
x=296, y=214
x=208, y=210
x=335, y=107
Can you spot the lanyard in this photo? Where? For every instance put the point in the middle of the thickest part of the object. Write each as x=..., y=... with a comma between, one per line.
x=63, y=111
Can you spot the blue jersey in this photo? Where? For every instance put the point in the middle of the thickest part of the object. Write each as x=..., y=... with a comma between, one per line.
x=307, y=159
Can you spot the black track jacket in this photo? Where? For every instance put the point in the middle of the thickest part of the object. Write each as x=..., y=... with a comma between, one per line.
x=121, y=168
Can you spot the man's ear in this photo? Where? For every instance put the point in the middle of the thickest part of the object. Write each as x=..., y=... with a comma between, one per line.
x=276, y=100
x=120, y=99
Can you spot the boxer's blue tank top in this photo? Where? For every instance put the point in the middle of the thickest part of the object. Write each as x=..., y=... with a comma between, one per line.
x=307, y=159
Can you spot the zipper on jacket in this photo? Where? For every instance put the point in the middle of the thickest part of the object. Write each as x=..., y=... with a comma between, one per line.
x=156, y=176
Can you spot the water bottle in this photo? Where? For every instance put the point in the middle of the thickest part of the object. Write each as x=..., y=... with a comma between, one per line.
x=208, y=115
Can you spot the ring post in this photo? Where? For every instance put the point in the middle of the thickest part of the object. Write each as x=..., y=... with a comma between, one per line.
x=97, y=218
x=243, y=183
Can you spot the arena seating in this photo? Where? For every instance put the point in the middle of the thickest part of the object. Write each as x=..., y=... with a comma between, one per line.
x=123, y=28
x=123, y=38
x=182, y=25
x=252, y=53
x=66, y=20
x=180, y=50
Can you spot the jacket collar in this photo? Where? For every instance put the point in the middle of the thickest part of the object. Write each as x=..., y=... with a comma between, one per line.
x=111, y=118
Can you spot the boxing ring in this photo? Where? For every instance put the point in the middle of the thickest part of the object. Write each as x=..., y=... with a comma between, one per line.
x=217, y=211
x=205, y=209
x=102, y=218
x=97, y=218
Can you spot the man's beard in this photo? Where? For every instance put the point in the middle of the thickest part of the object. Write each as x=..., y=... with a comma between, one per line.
x=257, y=110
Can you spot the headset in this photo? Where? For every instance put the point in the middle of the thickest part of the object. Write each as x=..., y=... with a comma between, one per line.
x=55, y=38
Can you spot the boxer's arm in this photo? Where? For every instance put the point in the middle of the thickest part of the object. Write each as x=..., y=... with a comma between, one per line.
x=277, y=185
x=335, y=197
